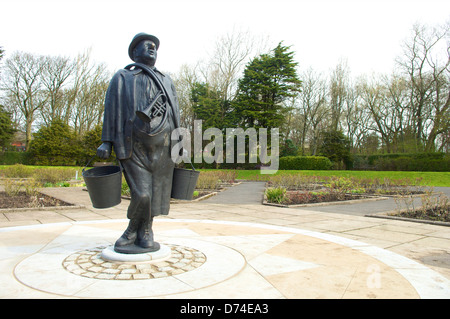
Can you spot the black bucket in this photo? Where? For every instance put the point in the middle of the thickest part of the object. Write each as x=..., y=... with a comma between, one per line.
x=104, y=184
x=183, y=183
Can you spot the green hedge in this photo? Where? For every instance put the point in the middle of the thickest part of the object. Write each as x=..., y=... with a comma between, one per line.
x=421, y=162
x=243, y=166
x=305, y=163
x=413, y=164
x=285, y=163
x=372, y=159
x=11, y=158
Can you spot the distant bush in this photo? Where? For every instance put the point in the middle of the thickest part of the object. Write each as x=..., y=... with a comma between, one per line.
x=413, y=164
x=372, y=159
x=90, y=141
x=56, y=144
x=17, y=171
x=336, y=146
x=11, y=158
x=41, y=175
x=208, y=180
x=305, y=163
x=295, y=181
x=421, y=162
x=53, y=175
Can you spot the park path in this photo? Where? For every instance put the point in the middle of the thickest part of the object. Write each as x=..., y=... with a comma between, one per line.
x=243, y=193
x=374, y=207
x=251, y=192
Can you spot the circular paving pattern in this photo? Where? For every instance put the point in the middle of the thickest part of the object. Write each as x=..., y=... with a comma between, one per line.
x=89, y=263
x=239, y=260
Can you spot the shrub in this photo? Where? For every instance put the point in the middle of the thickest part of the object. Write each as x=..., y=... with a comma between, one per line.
x=53, y=175
x=228, y=177
x=11, y=158
x=344, y=185
x=31, y=186
x=125, y=189
x=208, y=180
x=17, y=171
x=336, y=146
x=294, y=181
x=288, y=148
x=305, y=163
x=14, y=187
x=90, y=141
x=426, y=156
x=56, y=144
x=423, y=162
x=276, y=195
x=413, y=164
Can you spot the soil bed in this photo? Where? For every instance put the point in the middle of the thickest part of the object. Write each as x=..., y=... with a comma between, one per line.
x=442, y=215
x=396, y=193
x=438, y=214
x=299, y=197
x=201, y=194
x=22, y=200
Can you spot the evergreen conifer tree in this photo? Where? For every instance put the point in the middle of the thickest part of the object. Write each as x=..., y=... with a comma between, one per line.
x=268, y=81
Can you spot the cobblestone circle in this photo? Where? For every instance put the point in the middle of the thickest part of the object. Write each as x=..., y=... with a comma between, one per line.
x=88, y=263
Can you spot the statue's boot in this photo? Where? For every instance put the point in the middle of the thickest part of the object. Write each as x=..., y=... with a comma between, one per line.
x=145, y=236
x=130, y=234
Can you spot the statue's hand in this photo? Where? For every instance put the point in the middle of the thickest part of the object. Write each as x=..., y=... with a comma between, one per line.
x=104, y=150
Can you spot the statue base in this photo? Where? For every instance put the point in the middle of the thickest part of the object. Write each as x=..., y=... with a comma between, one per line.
x=134, y=249
x=110, y=254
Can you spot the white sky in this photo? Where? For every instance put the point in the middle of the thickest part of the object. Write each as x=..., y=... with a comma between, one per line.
x=366, y=33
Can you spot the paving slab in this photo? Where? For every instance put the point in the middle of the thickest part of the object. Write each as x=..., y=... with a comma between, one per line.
x=285, y=262
x=244, y=193
x=250, y=250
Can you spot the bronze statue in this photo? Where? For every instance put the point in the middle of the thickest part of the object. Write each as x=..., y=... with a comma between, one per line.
x=141, y=110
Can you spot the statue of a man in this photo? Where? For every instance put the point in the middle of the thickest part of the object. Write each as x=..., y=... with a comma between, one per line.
x=142, y=146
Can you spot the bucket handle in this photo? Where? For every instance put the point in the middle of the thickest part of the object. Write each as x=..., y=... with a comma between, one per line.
x=192, y=165
x=193, y=168
x=89, y=162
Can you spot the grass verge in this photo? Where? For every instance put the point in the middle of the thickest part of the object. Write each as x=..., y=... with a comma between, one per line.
x=436, y=179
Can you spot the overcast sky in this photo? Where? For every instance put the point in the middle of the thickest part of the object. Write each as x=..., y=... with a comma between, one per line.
x=366, y=33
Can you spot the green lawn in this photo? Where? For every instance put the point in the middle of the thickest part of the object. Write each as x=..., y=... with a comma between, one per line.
x=437, y=179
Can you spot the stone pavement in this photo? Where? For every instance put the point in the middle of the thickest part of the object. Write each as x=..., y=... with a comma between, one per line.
x=223, y=249
x=242, y=194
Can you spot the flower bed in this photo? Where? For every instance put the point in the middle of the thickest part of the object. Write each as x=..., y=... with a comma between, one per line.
x=24, y=200
x=292, y=190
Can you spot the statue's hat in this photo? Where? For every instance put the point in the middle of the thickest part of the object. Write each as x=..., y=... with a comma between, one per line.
x=138, y=38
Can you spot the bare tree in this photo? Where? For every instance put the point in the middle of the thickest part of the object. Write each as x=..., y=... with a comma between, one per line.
x=232, y=52
x=338, y=93
x=184, y=82
x=356, y=118
x=56, y=76
x=372, y=98
x=428, y=72
x=440, y=97
x=312, y=106
x=23, y=87
x=319, y=123
x=80, y=77
x=221, y=71
x=226, y=63
x=85, y=102
x=399, y=119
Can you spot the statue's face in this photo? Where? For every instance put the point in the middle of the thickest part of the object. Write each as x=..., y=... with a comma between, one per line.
x=145, y=52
